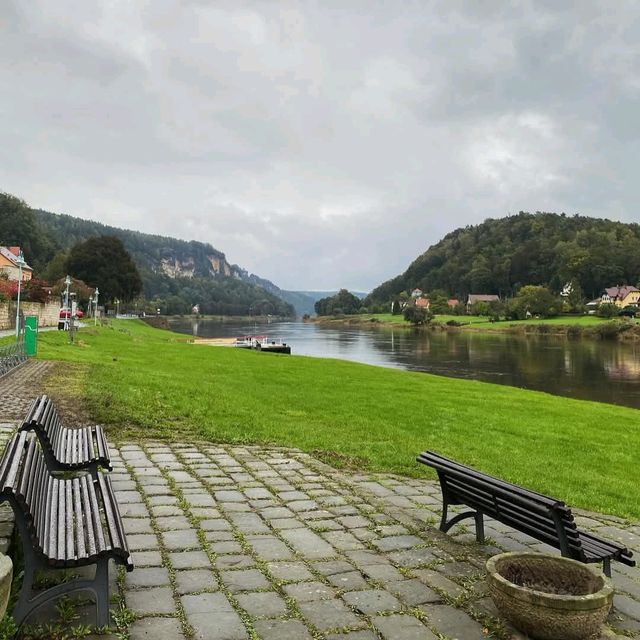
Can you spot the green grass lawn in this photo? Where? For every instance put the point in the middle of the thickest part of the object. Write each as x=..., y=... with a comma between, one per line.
x=151, y=382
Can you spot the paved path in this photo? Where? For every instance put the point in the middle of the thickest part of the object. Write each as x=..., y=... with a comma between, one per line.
x=242, y=542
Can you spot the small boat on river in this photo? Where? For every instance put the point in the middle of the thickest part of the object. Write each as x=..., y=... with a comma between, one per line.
x=262, y=343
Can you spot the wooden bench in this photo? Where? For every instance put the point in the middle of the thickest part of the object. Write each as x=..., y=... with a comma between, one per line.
x=63, y=523
x=539, y=516
x=66, y=448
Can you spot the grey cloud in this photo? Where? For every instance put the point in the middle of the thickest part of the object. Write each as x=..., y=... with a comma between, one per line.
x=319, y=144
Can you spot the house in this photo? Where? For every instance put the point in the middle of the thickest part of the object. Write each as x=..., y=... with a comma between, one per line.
x=480, y=297
x=621, y=296
x=416, y=293
x=9, y=264
x=422, y=302
x=453, y=303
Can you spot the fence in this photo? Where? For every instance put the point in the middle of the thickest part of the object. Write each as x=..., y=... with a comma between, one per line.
x=12, y=356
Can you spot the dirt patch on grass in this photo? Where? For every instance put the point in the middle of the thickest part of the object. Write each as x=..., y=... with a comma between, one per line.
x=341, y=460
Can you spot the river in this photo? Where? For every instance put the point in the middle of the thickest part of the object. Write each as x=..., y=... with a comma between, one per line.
x=605, y=371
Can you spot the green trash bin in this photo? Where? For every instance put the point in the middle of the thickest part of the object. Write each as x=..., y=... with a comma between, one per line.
x=31, y=335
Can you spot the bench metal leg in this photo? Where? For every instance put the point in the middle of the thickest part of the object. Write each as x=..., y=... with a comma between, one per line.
x=28, y=601
x=462, y=516
x=479, y=527
x=606, y=567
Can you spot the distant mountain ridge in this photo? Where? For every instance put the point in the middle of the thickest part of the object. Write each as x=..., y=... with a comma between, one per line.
x=500, y=255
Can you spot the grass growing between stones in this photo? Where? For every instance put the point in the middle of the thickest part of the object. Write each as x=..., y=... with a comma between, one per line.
x=153, y=383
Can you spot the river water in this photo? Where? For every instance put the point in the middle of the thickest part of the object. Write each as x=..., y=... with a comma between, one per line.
x=605, y=371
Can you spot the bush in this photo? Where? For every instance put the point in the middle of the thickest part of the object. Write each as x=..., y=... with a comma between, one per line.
x=417, y=315
x=607, y=310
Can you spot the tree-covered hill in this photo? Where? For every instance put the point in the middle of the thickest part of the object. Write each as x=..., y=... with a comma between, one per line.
x=176, y=274
x=499, y=256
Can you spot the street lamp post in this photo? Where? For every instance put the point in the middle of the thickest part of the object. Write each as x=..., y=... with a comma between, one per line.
x=20, y=262
x=117, y=307
x=95, y=315
x=67, y=282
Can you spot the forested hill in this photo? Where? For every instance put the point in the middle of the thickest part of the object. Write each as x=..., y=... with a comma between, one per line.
x=176, y=274
x=499, y=256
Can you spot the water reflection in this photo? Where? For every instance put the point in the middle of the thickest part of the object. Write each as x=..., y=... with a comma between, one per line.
x=595, y=370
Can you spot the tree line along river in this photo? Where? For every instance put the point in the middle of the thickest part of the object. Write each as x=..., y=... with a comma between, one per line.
x=604, y=371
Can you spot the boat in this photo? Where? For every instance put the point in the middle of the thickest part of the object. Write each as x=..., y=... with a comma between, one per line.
x=262, y=343
x=273, y=346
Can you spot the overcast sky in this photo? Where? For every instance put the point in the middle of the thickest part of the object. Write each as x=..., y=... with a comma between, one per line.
x=320, y=144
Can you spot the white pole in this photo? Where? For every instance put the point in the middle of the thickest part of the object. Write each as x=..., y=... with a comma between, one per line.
x=20, y=262
x=95, y=315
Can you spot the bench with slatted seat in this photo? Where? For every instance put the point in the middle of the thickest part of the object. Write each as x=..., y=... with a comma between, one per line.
x=539, y=516
x=63, y=523
x=67, y=448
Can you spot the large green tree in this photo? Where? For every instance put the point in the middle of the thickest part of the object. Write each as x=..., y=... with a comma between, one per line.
x=103, y=262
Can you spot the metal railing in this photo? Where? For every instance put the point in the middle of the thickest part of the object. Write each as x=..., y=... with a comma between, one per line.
x=12, y=356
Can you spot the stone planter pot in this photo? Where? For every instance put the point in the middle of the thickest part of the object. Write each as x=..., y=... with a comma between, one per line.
x=549, y=597
x=6, y=575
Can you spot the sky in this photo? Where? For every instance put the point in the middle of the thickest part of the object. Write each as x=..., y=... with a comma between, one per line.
x=320, y=144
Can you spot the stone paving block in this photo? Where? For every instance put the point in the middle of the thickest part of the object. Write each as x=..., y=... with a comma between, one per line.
x=146, y=559
x=289, y=571
x=133, y=510
x=307, y=591
x=199, y=499
x=157, y=600
x=155, y=629
x=627, y=605
x=193, y=580
x=285, y=523
x=163, y=500
x=372, y=601
x=281, y=630
x=327, y=615
x=397, y=543
x=215, y=524
x=249, y=522
x=436, y=580
x=142, y=541
x=384, y=573
x=229, y=496
x=234, y=562
x=413, y=592
x=331, y=567
x=172, y=523
x=244, y=580
x=402, y=627
x=218, y=536
x=269, y=548
x=136, y=525
x=342, y=540
x=348, y=581
x=262, y=604
x=147, y=577
x=180, y=539
x=413, y=558
x=453, y=623
x=272, y=513
x=213, y=618
x=189, y=560
x=226, y=546
x=308, y=544
x=164, y=510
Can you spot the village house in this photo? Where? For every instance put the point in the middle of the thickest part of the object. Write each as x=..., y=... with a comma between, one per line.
x=9, y=264
x=621, y=296
x=416, y=293
x=453, y=303
x=480, y=297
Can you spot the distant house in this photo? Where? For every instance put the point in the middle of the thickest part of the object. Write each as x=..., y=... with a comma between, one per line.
x=416, y=293
x=422, y=302
x=453, y=303
x=480, y=297
x=9, y=264
x=621, y=296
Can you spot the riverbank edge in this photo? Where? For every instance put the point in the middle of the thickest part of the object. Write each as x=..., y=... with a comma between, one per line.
x=612, y=330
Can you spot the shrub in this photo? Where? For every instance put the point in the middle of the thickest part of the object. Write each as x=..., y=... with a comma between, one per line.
x=607, y=310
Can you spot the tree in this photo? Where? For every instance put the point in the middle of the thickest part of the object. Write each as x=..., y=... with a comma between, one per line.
x=534, y=300
x=344, y=302
x=417, y=315
x=103, y=262
x=608, y=310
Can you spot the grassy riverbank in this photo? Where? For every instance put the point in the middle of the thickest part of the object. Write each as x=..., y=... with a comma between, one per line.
x=154, y=383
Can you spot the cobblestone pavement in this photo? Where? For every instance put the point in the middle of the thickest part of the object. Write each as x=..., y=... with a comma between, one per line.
x=19, y=387
x=239, y=542
x=233, y=541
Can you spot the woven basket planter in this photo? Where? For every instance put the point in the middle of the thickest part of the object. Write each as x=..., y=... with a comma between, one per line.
x=549, y=597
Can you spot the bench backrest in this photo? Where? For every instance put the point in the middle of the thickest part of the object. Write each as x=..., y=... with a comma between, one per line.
x=43, y=416
x=67, y=519
x=544, y=518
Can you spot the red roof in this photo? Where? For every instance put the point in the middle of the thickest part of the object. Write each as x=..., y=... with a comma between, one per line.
x=620, y=292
